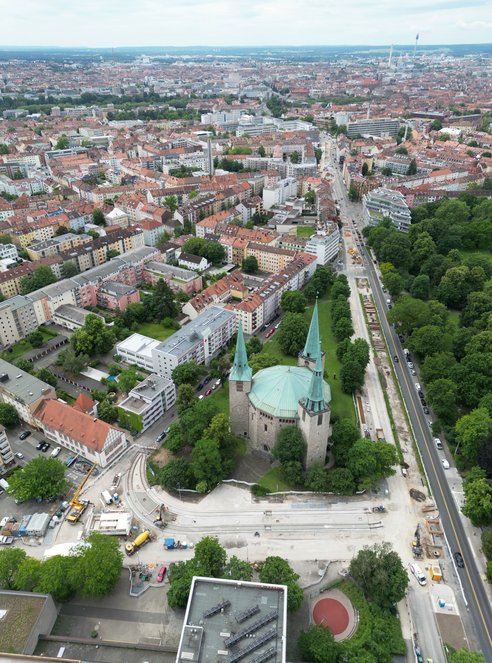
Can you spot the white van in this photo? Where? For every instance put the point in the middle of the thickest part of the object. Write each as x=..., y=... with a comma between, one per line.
x=419, y=574
x=55, y=452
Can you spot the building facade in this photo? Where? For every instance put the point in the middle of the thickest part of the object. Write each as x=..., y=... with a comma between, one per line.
x=147, y=402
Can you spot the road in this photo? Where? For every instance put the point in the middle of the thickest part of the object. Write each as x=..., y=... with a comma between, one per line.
x=469, y=578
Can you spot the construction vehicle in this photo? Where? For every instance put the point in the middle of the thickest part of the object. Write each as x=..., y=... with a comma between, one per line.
x=137, y=543
x=79, y=506
x=416, y=546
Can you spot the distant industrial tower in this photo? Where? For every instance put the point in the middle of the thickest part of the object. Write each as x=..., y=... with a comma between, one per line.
x=390, y=57
x=415, y=47
x=210, y=157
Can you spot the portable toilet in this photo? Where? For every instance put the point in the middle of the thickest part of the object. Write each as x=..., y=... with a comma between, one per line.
x=435, y=572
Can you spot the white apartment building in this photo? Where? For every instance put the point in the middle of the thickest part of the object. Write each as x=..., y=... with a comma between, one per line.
x=6, y=453
x=17, y=319
x=147, y=402
x=278, y=193
x=324, y=245
x=8, y=251
x=381, y=203
x=137, y=349
x=22, y=390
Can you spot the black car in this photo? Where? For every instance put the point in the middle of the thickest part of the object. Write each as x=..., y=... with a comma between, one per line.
x=24, y=434
x=395, y=359
x=207, y=379
x=420, y=393
x=458, y=558
x=45, y=447
x=424, y=402
x=40, y=445
x=401, y=338
x=200, y=386
x=426, y=410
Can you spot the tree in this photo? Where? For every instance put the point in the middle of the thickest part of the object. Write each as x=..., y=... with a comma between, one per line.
x=36, y=339
x=262, y=360
x=8, y=415
x=40, y=278
x=250, y=265
x=293, y=472
x=278, y=571
x=380, y=574
x=420, y=288
x=98, y=217
x=180, y=579
x=112, y=253
x=293, y=301
x=442, y=394
x=10, y=562
x=438, y=365
x=394, y=283
x=429, y=340
x=176, y=474
x=237, y=569
x=47, y=376
x=4, y=148
x=487, y=543
x=98, y=566
x=318, y=645
x=28, y=574
x=261, y=151
x=107, y=412
x=254, y=346
x=186, y=397
x=365, y=169
x=207, y=462
x=317, y=479
x=341, y=481
x=56, y=578
x=94, y=338
x=40, y=477
x=408, y=314
x=466, y=656
x=25, y=365
x=351, y=376
x=310, y=197
x=478, y=498
x=187, y=373
x=292, y=333
x=290, y=445
x=128, y=378
x=62, y=143
x=71, y=362
x=295, y=157
x=471, y=431
x=160, y=304
x=171, y=202
x=210, y=557
x=343, y=329
x=412, y=167
x=344, y=435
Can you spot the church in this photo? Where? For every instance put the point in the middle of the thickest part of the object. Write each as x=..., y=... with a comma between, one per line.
x=264, y=403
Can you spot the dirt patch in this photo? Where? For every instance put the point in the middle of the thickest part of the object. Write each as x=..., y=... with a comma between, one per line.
x=161, y=457
x=451, y=629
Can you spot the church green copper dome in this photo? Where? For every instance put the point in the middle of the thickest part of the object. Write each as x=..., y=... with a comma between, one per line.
x=277, y=390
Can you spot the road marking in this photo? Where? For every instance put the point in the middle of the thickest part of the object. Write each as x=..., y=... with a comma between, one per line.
x=472, y=549
x=438, y=480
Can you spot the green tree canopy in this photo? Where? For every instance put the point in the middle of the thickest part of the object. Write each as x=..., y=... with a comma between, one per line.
x=41, y=277
x=28, y=574
x=40, y=477
x=250, y=265
x=186, y=397
x=471, y=431
x=11, y=560
x=442, y=394
x=237, y=569
x=380, y=574
x=56, y=578
x=98, y=566
x=293, y=301
x=292, y=333
x=210, y=557
x=94, y=338
x=478, y=498
x=351, y=376
x=98, y=217
x=207, y=462
x=278, y=571
x=8, y=415
x=290, y=445
x=318, y=645
x=187, y=373
x=36, y=339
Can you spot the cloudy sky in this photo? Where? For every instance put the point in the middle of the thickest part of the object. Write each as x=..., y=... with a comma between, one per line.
x=109, y=23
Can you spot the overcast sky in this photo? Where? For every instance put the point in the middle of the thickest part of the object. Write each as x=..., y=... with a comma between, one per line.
x=109, y=23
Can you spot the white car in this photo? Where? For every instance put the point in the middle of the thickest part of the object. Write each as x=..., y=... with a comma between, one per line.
x=445, y=463
x=201, y=397
x=417, y=386
x=410, y=364
x=19, y=455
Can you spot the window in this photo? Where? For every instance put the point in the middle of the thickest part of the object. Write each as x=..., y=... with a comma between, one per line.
x=265, y=427
x=320, y=419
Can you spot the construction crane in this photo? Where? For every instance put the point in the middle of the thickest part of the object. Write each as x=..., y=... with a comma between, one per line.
x=79, y=506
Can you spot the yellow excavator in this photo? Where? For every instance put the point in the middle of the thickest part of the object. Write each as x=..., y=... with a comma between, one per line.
x=79, y=506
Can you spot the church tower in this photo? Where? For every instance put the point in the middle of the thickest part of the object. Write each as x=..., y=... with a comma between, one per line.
x=240, y=380
x=314, y=417
x=312, y=348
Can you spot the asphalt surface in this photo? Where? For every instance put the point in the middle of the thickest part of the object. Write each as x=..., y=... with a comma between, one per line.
x=473, y=590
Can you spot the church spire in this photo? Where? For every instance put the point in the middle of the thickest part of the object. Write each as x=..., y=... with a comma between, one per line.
x=315, y=401
x=241, y=372
x=312, y=346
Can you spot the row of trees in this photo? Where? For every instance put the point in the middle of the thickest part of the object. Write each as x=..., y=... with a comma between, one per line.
x=212, y=251
x=92, y=570
x=210, y=560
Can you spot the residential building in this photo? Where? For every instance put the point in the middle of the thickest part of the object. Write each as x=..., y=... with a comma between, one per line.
x=55, y=245
x=373, y=127
x=17, y=319
x=277, y=194
x=152, y=231
x=137, y=349
x=199, y=341
x=72, y=317
x=6, y=453
x=381, y=203
x=22, y=390
x=37, y=613
x=270, y=258
x=80, y=433
x=189, y=261
x=8, y=251
x=176, y=277
x=324, y=244
x=113, y=295
x=147, y=402
x=231, y=285
x=215, y=603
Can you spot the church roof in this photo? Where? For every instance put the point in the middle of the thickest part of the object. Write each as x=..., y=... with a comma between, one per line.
x=277, y=390
x=241, y=370
x=312, y=347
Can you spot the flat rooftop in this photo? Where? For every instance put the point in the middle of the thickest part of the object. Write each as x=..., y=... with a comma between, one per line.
x=229, y=621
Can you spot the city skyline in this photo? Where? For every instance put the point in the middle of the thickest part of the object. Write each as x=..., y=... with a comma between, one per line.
x=253, y=23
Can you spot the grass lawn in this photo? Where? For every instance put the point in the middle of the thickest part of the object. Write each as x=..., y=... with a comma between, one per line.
x=24, y=346
x=476, y=252
x=221, y=397
x=273, y=480
x=341, y=404
x=305, y=231
x=155, y=330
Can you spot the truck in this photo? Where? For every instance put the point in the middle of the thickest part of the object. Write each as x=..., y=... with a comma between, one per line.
x=106, y=495
x=380, y=435
x=4, y=484
x=170, y=544
x=137, y=543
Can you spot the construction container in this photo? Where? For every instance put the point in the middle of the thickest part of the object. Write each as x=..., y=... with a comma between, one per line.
x=436, y=572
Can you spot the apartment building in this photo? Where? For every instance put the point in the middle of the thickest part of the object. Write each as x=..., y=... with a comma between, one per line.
x=137, y=349
x=325, y=244
x=270, y=258
x=177, y=278
x=17, y=320
x=80, y=433
x=217, y=293
x=8, y=251
x=147, y=402
x=381, y=203
x=55, y=245
x=278, y=193
x=199, y=341
x=373, y=127
x=113, y=295
x=22, y=390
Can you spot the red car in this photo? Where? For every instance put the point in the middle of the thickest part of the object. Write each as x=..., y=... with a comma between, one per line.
x=270, y=332
x=162, y=573
x=208, y=392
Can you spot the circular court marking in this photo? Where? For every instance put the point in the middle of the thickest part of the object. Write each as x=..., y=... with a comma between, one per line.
x=331, y=614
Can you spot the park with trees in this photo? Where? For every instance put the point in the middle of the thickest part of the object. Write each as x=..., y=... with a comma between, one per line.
x=439, y=275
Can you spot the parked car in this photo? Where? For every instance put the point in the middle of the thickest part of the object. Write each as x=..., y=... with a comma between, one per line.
x=200, y=386
x=421, y=393
x=458, y=558
x=410, y=364
x=201, y=397
x=438, y=443
x=208, y=392
x=162, y=573
x=426, y=410
x=445, y=463
x=40, y=445
x=19, y=455
x=45, y=447
x=417, y=386
x=207, y=379
x=167, y=430
x=395, y=359
x=424, y=402
x=24, y=434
